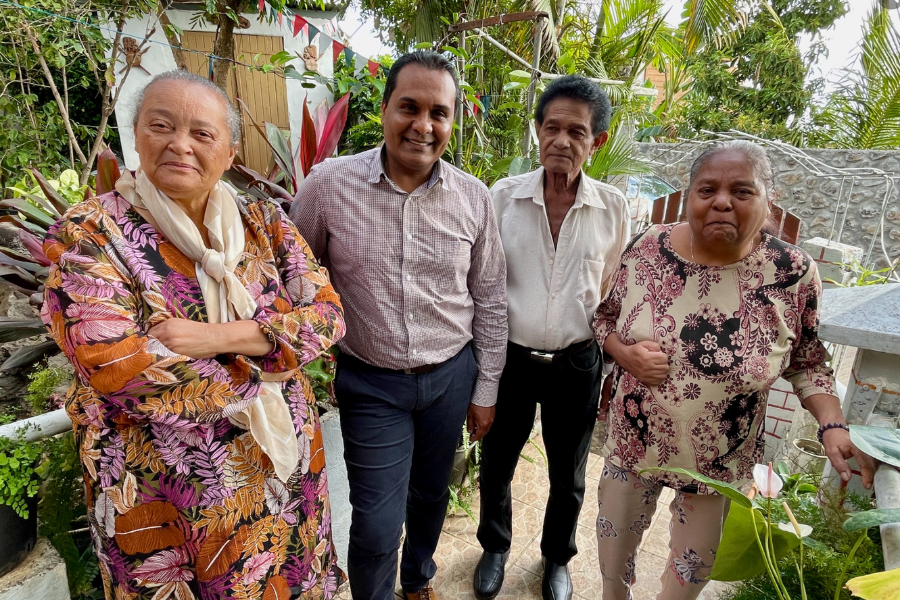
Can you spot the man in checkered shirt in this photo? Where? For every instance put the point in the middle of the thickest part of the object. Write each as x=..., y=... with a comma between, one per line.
x=413, y=249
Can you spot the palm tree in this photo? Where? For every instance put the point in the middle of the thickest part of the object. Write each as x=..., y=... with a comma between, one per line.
x=864, y=112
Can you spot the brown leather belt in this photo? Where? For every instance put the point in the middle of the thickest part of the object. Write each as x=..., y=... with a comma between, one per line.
x=363, y=365
x=551, y=356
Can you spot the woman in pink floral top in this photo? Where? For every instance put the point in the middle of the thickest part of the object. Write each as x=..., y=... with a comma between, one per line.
x=173, y=355
x=703, y=318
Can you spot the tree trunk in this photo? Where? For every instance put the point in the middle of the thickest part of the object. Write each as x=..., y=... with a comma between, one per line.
x=598, y=33
x=224, y=44
x=177, y=52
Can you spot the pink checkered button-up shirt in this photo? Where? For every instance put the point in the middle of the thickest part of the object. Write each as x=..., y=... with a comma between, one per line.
x=420, y=275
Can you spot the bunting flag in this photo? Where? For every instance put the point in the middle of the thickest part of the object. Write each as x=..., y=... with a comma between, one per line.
x=262, y=6
x=348, y=55
x=486, y=102
x=384, y=70
x=324, y=40
x=360, y=63
x=337, y=48
x=280, y=18
x=373, y=67
x=313, y=32
x=299, y=22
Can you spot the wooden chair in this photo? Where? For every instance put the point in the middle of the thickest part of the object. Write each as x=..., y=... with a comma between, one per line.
x=671, y=209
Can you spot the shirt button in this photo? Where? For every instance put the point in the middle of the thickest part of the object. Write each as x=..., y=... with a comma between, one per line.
x=409, y=316
x=409, y=236
x=551, y=261
x=415, y=352
x=409, y=277
x=553, y=296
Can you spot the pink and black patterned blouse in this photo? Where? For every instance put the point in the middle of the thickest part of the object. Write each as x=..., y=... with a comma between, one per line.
x=730, y=333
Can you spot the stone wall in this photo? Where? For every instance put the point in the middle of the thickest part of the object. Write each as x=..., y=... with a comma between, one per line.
x=814, y=198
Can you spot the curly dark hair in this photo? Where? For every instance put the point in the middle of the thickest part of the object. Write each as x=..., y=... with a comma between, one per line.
x=577, y=88
x=424, y=58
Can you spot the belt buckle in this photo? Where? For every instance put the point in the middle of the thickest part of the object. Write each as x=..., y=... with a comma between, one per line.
x=542, y=357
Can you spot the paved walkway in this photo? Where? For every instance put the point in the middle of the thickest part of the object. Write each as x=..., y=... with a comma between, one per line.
x=458, y=551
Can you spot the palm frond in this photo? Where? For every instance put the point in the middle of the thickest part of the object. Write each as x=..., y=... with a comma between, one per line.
x=619, y=155
x=711, y=22
x=864, y=112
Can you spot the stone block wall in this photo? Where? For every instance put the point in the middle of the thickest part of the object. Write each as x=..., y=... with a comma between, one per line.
x=813, y=198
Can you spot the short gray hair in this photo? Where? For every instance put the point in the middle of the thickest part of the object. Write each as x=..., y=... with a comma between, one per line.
x=756, y=154
x=232, y=116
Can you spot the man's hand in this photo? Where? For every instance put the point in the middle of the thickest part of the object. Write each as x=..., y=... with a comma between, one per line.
x=838, y=448
x=479, y=421
x=187, y=337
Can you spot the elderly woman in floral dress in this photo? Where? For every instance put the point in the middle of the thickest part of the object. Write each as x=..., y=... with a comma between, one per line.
x=703, y=318
x=188, y=313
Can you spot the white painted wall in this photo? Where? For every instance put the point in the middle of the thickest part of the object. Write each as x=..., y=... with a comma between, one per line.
x=159, y=59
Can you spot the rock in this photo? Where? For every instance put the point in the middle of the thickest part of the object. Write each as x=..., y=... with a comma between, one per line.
x=790, y=178
x=40, y=576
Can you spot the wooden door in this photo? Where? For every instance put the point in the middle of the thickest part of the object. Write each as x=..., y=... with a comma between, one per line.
x=264, y=94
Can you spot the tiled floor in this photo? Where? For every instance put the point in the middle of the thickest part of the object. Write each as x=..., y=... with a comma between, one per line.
x=459, y=551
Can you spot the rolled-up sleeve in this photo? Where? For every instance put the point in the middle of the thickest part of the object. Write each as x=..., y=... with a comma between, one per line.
x=487, y=286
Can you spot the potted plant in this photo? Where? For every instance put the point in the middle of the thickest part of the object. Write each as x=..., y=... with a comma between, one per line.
x=19, y=483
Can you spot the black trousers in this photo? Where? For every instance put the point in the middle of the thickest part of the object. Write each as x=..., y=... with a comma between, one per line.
x=568, y=391
x=400, y=435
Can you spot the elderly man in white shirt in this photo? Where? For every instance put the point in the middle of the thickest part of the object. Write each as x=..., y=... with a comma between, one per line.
x=562, y=234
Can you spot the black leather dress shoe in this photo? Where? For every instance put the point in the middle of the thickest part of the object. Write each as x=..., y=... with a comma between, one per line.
x=489, y=574
x=557, y=584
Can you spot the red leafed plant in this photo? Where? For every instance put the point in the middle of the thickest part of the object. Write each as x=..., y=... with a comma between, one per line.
x=23, y=265
x=318, y=140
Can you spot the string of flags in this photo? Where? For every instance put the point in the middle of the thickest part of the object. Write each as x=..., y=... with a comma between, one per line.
x=297, y=24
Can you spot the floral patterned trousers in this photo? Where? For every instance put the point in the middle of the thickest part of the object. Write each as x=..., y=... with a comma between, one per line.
x=627, y=504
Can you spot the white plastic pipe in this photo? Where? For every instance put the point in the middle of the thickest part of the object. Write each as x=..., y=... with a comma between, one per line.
x=41, y=426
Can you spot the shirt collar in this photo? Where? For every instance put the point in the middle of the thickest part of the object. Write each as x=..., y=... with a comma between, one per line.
x=376, y=169
x=532, y=187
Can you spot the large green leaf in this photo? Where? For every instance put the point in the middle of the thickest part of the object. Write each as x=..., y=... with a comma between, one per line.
x=726, y=489
x=30, y=355
x=876, y=586
x=881, y=443
x=16, y=329
x=739, y=556
x=872, y=518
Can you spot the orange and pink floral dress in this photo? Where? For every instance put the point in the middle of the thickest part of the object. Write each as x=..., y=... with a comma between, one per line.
x=182, y=503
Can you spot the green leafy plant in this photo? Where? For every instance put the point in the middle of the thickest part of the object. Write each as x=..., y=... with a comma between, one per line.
x=321, y=372
x=462, y=492
x=63, y=515
x=19, y=479
x=755, y=543
x=863, y=275
x=43, y=384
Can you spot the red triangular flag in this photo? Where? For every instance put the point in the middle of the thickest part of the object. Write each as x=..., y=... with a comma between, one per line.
x=280, y=17
x=262, y=6
x=299, y=22
x=373, y=67
x=337, y=48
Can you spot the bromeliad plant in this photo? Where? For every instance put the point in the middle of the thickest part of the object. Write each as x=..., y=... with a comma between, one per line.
x=319, y=137
x=753, y=544
x=38, y=203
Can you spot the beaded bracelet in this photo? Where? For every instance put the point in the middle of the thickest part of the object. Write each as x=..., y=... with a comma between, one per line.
x=828, y=426
x=266, y=330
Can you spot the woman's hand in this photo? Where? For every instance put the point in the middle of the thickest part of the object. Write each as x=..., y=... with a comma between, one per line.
x=644, y=360
x=190, y=338
x=205, y=340
x=838, y=448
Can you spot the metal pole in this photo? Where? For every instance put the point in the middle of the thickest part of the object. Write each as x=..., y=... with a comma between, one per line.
x=532, y=87
x=460, y=103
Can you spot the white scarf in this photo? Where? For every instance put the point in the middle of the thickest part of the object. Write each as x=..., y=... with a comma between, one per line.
x=268, y=417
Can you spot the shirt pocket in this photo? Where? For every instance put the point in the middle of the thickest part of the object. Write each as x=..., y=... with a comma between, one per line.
x=590, y=277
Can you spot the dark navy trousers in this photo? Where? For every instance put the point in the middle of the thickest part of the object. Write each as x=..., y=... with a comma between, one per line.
x=400, y=434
